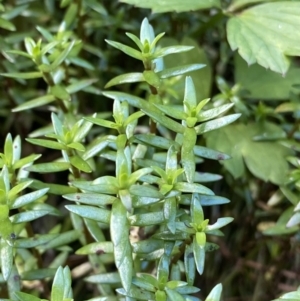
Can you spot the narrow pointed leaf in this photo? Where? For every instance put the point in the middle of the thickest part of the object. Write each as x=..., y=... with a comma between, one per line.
x=126, y=49
x=208, y=153
x=49, y=167
x=79, y=163
x=28, y=198
x=97, y=214
x=34, y=103
x=35, y=241
x=25, y=75
x=91, y=199
x=216, y=123
x=199, y=255
x=47, y=143
x=125, y=78
x=175, y=71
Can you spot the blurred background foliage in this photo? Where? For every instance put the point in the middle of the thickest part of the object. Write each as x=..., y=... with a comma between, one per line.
x=259, y=255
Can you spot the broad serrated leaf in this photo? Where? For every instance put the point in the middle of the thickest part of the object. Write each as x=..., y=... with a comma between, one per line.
x=159, y=6
x=266, y=33
x=259, y=157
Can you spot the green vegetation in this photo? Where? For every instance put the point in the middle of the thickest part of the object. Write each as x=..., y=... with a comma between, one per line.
x=144, y=159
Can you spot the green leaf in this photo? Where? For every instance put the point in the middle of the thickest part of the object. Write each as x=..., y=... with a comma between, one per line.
x=6, y=259
x=59, y=286
x=125, y=78
x=189, y=264
x=163, y=271
x=268, y=85
x=79, y=163
x=175, y=71
x=192, y=188
x=145, y=191
x=17, y=189
x=221, y=222
x=96, y=248
x=147, y=219
x=171, y=50
x=60, y=92
x=49, y=167
x=20, y=75
x=80, y=85
x=24, y=161
x=158, y=6
x=148, y=108
x=216, y=123
x=187, y=154
x=53, y=188
x=119, y=230
x=38, y=274
x=47, y=143
x=27, y=216
x=63, y=239
x=97, y=214
x=98, y=188
x=208, y=153
x=156, y=141
x=259, y=157
x=215, y=294
x=126, y=49
x=196, y=209
x=63, y=55
x=35, y=241
x=199, y=255
x=107, y=278
x=28, y=198
x=5, y=24
x=212, y=113
x=91, y=199
x=37, y=102
x=202, y=77
x=136, y=293
x=26, y=297
x=266, y=33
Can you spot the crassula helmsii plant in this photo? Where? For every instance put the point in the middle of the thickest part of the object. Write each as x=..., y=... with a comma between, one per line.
x=135, y=194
